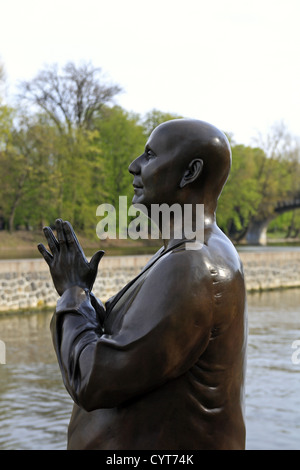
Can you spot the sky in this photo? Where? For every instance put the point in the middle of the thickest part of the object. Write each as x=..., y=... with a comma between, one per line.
x=233, y=63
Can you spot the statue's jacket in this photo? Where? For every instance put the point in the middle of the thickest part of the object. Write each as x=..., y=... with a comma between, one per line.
x=161, y=366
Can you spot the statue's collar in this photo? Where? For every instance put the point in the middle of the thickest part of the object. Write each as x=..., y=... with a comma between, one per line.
x=159, y=254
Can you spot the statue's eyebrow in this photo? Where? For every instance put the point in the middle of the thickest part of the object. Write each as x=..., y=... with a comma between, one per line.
x=147, y=147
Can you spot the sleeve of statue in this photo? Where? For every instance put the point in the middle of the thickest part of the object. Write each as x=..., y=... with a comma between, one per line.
x=77, y=322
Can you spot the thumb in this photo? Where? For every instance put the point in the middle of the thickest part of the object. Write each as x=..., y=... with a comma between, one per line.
x=96, y=260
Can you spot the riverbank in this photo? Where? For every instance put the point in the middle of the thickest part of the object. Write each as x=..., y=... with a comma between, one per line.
x=22, y=244
x=26, y=284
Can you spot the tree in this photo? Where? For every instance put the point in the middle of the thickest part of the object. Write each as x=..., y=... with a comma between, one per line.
x=277, y=177
x=11, y=168
x=286, y=225
x=71, y=97
x=2, y=79
x=155, y=117
x=11, y=185
x=121, y=139
x=26, y=173
x=37, y=140
x=240, y=197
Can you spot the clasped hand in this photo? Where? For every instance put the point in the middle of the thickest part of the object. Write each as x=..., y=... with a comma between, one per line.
x=67, y=262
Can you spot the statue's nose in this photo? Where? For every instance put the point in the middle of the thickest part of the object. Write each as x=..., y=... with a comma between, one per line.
x=135, y=167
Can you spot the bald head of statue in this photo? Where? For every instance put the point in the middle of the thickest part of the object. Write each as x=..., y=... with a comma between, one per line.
x=185, y=161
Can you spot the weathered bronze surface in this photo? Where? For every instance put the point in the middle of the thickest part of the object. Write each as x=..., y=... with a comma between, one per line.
x=161, y=365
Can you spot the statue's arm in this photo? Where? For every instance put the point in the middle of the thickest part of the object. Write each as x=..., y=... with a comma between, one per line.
x=164, y=331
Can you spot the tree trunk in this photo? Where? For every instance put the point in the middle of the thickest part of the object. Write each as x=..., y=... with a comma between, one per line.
x=15, y=203
x=12, y=215
x=257, y=232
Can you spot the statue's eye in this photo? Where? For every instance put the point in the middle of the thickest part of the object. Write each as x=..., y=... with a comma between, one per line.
x=150, y=153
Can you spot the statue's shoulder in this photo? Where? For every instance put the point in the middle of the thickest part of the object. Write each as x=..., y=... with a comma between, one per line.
x=183, y=267
x=222, y=252
x=188, y=266
x=215, y=258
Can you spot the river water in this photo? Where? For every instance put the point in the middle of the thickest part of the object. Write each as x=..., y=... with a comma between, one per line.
x=35, y=408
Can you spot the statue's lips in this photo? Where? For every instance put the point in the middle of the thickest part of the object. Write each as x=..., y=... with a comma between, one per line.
x=136, y=186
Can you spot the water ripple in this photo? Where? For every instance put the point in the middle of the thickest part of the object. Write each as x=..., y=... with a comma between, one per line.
x=35, y=408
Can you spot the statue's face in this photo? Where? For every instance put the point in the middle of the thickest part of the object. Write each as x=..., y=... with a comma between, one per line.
x=158, y=171
x=164, y=168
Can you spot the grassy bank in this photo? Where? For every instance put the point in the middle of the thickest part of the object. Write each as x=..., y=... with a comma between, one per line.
x=22, y=244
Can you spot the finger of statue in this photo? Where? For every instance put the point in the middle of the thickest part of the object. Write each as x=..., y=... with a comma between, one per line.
x=74, y=237
x=52, y=242
x=60, y=232
x=69, y=233
x=96, y=258
x=45, y=253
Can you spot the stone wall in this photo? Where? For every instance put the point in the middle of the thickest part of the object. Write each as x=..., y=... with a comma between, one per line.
x=27, y=283
x=271, y=268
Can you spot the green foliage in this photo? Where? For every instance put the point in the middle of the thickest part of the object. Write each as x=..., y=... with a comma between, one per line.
x=121, y=140
x=240, y=197
x=286, y=224
x=6, y=125
x=155, y=117
x=72, y=153
x=256, y=184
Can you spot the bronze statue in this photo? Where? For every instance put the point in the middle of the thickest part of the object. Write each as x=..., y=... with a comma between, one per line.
x=161, y=366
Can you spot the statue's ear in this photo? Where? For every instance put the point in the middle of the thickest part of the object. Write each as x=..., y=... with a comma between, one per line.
x=193, y=171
